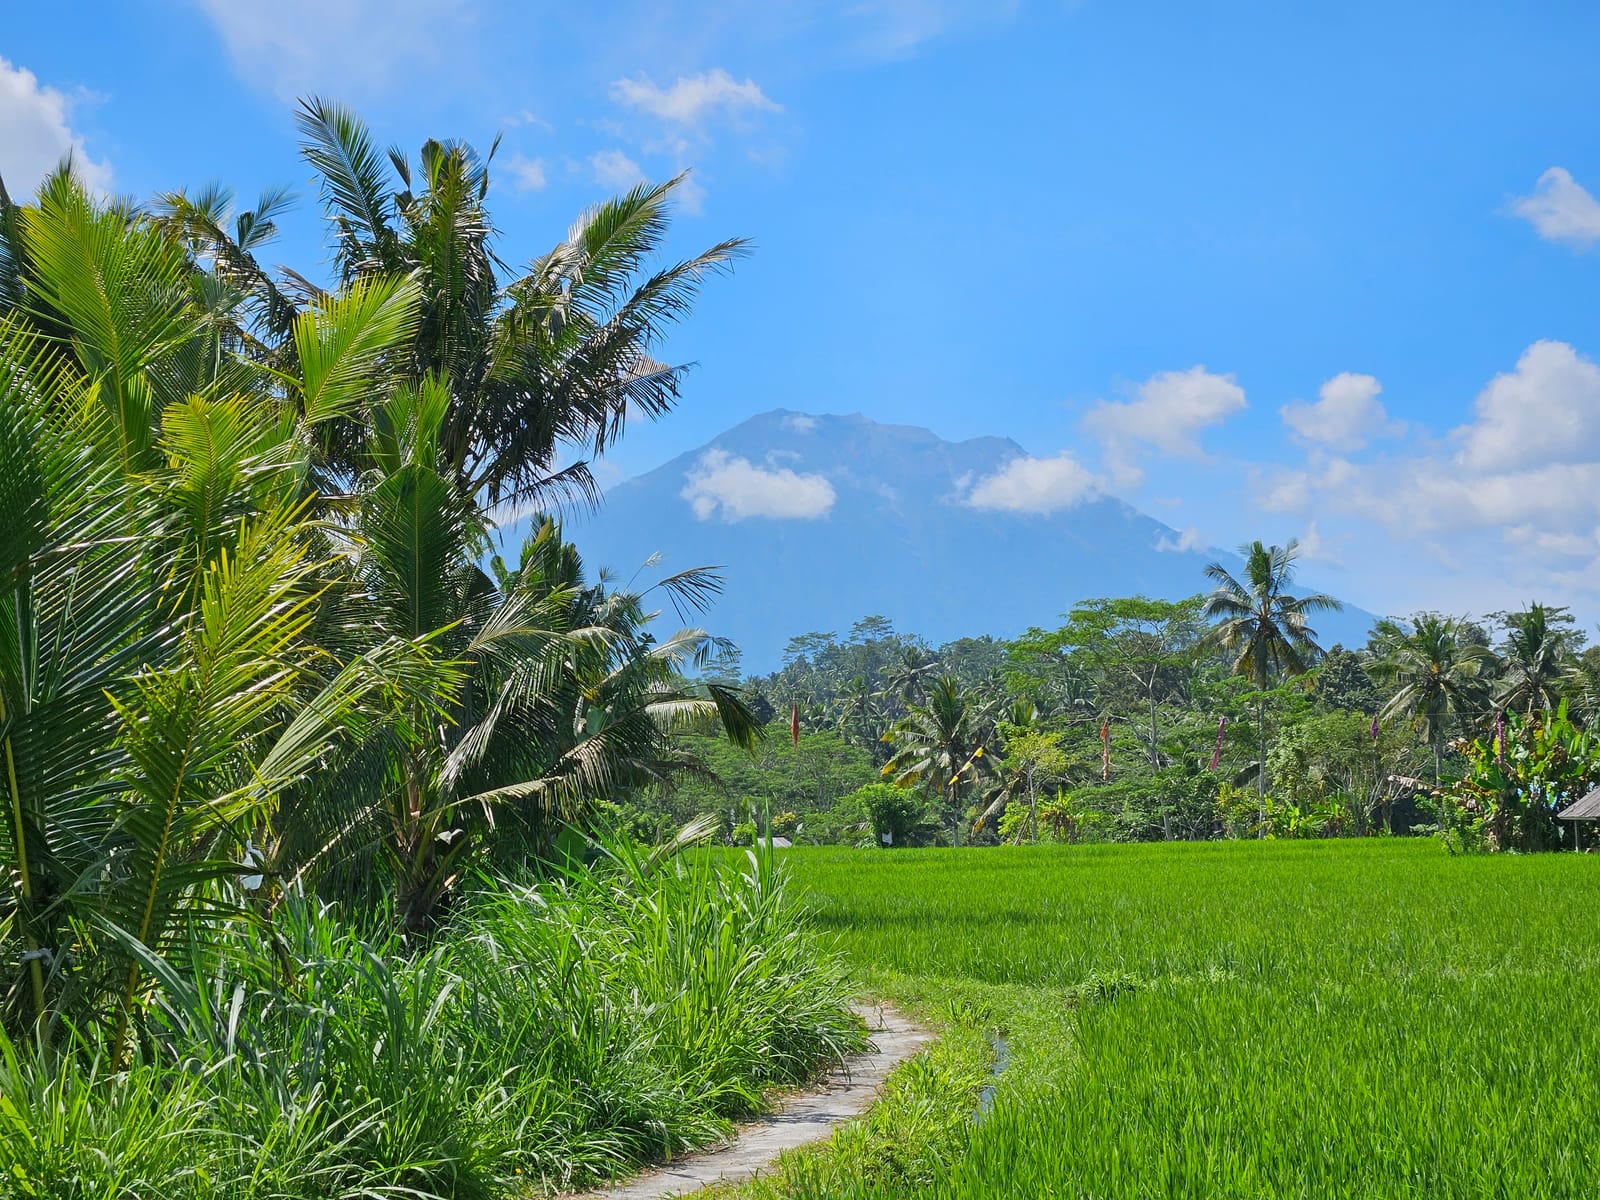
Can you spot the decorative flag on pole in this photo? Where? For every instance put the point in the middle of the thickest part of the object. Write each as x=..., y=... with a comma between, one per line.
x=1500, y=739
x=794, y=723
x=1105, y=748
x=1374, y=727
x=1216, y=755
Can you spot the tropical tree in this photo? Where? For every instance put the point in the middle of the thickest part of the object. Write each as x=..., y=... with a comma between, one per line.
x=1535, y=659
x=1435, y=671
x=908, y=674
x=160, y=686
x=1030, y=752
x=1134, y=644
x=534, y=362
x=1263, y=627
x=940, y=743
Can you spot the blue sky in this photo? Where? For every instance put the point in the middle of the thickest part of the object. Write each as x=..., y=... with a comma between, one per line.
x=1261, y=270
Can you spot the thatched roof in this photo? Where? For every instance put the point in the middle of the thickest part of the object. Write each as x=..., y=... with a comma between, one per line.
x=1587, y=809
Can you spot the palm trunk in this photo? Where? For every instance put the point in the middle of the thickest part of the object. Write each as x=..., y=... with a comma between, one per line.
x=25, y=875
x=1261, y=766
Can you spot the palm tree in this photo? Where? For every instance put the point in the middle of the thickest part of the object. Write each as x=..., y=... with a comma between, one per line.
x=1536, y=657
x=537, y=362
x=564, y=695
x=907, y=675
x=159, y=684
x=1263, y=626
x=1436, y=672
x=939, y=741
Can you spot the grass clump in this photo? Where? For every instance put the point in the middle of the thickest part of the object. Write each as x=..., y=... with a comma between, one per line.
x=557, y=1033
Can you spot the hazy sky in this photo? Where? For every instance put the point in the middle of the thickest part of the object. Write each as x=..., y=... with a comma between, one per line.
x=1260, y=270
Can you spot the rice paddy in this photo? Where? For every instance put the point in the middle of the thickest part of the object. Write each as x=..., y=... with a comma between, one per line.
x=1323, y=1019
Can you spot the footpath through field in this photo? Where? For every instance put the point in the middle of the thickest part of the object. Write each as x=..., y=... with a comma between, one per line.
x=847, y=1092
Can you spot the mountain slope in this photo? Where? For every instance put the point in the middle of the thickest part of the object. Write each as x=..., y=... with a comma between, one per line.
x=821, y=520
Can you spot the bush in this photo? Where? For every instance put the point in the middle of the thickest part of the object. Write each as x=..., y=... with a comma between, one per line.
x=561, y=1031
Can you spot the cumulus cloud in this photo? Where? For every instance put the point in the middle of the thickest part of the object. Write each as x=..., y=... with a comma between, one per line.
x=352, y=47
x=1036, y=485
x=527, y=174
x=694, y=98
x=35, y=134
x=738, y=489
x=1561, y=209
x=1347, y=415
x=615, y=169
x=1186, y=540
x=1168, y=413
x=799, y=423
x=1545, y=410
x=1525, y=472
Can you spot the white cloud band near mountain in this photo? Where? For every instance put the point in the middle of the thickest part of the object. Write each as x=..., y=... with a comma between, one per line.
x=1167, y=414
x=737, y=489
x=1036, y=485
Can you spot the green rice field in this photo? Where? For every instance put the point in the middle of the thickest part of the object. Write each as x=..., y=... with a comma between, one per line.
x=1275, y=1019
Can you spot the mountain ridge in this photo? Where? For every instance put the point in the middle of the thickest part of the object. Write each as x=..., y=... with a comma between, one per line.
x=820, y=519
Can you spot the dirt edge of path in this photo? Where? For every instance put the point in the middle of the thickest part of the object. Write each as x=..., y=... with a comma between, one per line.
x=846, y=1092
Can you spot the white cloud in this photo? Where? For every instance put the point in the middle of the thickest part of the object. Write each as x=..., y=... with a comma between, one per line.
x=527, y=174
x=527, y=118
x=1546, y=410
x=799, y=423
x=1187, y=539
x=615, y=169
x=694, y=97
x=1561, y=209
x=353, y=48
x=737, y=489
x=1346, y=417
x=35, y=135
x=1509, y=503
x=1168, y=412
x=897, y=28
x=1036, y=485
x=1315, y=547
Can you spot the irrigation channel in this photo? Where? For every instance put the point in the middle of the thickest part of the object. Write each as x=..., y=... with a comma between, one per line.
x=847, y=1092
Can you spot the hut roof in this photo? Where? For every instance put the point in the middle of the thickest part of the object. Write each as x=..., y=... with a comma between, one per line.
x=1587, y=809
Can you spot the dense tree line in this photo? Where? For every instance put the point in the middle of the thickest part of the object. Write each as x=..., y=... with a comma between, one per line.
x=1217, y=715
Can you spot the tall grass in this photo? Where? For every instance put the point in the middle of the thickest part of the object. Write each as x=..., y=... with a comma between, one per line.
x=1369, y=1019
x=559, y=1033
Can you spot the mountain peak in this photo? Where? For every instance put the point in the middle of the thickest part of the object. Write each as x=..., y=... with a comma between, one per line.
x=820, y=518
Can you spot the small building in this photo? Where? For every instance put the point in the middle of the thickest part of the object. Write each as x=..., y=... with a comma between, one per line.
x=1586, y=809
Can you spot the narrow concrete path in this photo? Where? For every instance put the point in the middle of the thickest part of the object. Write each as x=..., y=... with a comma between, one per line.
x=846, y=1093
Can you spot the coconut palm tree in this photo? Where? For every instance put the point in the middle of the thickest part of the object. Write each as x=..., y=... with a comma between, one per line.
x=1535, y=660
x=159, y=684
x=537, y=362
x=565, y=696
x=907, y=675
x=1436, y=673
x=940, y=742
x=1263, y=627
